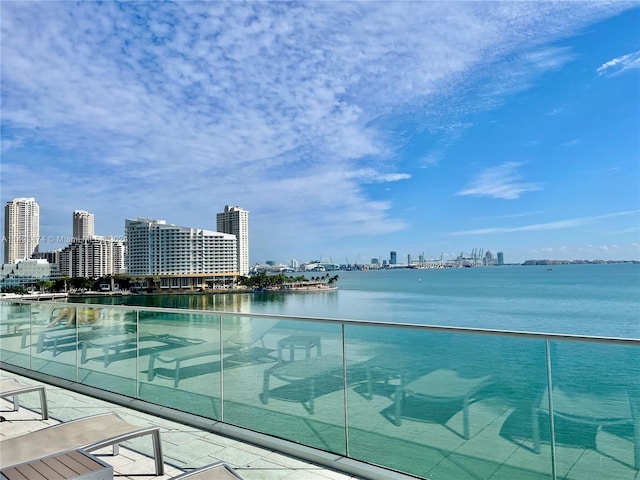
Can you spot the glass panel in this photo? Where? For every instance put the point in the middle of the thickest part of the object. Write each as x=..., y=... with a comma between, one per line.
x=15, y=320
x=57, y=330
x=179, y=363
x=107, y=354
x=596, y=405
x=289, y=382
x=431, y=404
x=445, y=405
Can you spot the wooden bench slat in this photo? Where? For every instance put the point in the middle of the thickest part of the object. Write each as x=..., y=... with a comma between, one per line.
x=82, y=463
x=62, y=468
x=31, y=473
x=13, y=473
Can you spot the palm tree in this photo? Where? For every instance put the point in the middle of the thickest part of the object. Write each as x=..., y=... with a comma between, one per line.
x=45, y=285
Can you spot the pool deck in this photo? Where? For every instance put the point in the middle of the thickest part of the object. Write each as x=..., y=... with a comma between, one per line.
x=184, y=447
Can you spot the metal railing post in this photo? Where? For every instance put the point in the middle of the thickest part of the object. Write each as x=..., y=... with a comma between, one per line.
x=552, y=431
x=221, y=368
x=345, y=401
x=138, y=353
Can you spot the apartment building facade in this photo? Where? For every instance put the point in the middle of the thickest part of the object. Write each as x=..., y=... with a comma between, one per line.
x=92, y=257
x=179, y=257
x=26, y=273
x=235, y=221
x=21, y=229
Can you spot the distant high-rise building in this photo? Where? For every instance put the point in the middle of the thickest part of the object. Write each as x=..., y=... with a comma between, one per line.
x=393, y=258
x=92, y=257
x=82, y=225
x=21, y=229
x=235, y=221
x=488, y=259
x=500, y=258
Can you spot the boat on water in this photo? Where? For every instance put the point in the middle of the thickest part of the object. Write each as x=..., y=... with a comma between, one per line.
x=308, y=286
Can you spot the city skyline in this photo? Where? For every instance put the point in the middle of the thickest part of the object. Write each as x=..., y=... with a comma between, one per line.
x=347, y=130
x=235, y=218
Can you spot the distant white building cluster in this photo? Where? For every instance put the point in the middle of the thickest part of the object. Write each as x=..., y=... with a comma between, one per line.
x=153, y=251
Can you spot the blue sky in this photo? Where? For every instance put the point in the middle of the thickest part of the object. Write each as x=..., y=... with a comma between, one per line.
x=347, y=129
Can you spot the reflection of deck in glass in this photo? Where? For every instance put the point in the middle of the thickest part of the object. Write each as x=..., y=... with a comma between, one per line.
x=486, y=414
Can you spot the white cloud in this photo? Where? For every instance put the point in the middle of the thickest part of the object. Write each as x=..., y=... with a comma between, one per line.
x=431, y=160
x=620, y=64
x=558, y=225
x=499, y=182
x=571, y=143
x=371, y=176
x=174, y=109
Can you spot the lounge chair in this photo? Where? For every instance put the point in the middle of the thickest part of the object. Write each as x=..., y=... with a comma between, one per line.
x=317, y=374
x=88, y=433
x=15, y=324
x=69, y=325
x=74, y=464
x=52, y=338
x=593, y=394
x=442, y=386
x=12, y=388
x=118, y=341
x=215, y=471
x=610, y=408
x=235, y=343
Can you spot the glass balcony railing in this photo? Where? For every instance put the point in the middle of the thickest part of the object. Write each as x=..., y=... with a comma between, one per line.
x=433, y=402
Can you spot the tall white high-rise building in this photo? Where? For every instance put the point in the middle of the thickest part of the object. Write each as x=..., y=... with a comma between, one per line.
x=83, y=225
x=21, y=229
x=157, y=248
x=235, y=220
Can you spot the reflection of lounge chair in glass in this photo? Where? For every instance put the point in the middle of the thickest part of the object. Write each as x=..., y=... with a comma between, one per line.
x=237, y=342
x=88, y=433
x=52, y=338
x=16, y=322
x=310, y=370
x=619, y=407
x=442, y=386
x=66, y=325
x=119, y=341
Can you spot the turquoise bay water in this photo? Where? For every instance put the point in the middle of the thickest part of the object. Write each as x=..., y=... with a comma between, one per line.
x=602, y=300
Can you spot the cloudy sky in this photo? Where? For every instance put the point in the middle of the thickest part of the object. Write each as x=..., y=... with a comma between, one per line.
x=347, y=129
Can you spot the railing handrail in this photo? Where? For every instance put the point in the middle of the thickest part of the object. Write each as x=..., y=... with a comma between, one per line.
x=373, y=323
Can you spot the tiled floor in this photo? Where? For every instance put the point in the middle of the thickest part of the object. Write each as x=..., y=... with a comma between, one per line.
x=184, y=447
